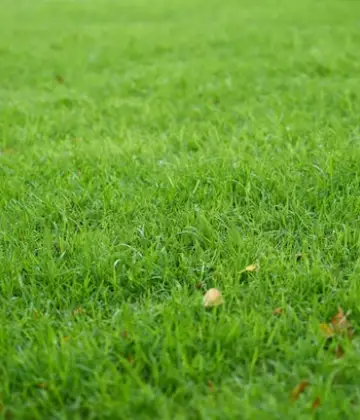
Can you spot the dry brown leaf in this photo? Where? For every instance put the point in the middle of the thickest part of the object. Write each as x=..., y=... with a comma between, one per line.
x=200, y=285
x=327, y=331
x=299, y=389
x=212, y=298
x=339, y=351
x=339, y=321
x=341, y=325
x=316, y=403
x=124, y=334
x=277, y=311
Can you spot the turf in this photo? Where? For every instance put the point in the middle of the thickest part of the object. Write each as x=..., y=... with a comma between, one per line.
x=149, y=152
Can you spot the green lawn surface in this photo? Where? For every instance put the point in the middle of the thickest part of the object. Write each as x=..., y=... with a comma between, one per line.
x=149, y=151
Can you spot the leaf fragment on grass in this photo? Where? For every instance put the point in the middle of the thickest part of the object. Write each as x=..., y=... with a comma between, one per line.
x=250, y=268
x=42, y=385
x=299, y=389
x=326, y=330
x=78, y=311
x=59, y=79
x=212, y=298
x=339, y=351
x=7, y=151
x=341, y=325
x=316, y=403
x=130, y=359
x=277, y=311
x=210, y=386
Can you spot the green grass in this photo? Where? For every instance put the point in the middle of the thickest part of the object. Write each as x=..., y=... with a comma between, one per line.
x=189, y=138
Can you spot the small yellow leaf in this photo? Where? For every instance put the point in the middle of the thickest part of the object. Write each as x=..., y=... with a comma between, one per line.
x=7, y=151
x=213, y=297
x=78, y=311
x=65, y=339
x=327, y=331
x=251, y=268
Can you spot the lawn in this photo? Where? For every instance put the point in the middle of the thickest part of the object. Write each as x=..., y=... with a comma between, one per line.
x=150, y=151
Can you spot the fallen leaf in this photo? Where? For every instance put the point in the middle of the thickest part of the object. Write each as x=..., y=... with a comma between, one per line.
x=7, y=151
x=210, y=386
x=42, y=385
x=327, y=331
x=213, y=297
x=130, y=360
x=9, y=415
x=124, y=334
x=339, y=351
x=65, y=339
x=316, y=403
x=277, y=311
x=299, y=389
x=341, y=325
x=78, y=311
x=59, y=79
x=250, y=268
x=200, y=285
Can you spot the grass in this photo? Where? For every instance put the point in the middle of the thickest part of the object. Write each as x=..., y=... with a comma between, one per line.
x=147, y=147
